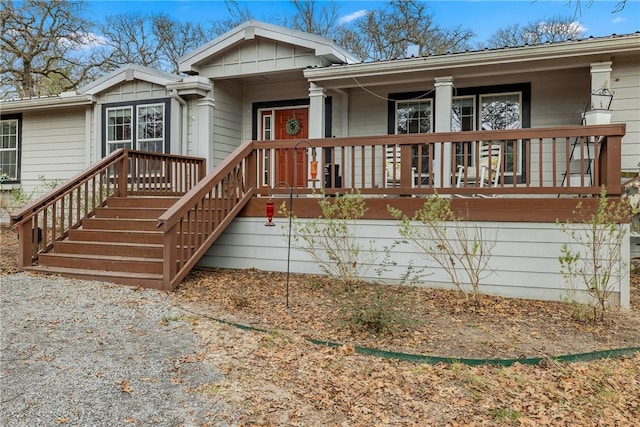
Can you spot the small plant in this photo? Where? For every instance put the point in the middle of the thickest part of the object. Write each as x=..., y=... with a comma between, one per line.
x=593, y=260
x=14, y=198
x=331, y=238
x=379, y=312
x=458, y=249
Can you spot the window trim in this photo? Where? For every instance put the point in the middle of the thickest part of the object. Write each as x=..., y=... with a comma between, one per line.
x=18, y=118
x=134, y=125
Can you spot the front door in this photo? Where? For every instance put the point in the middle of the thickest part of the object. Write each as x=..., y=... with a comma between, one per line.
x=288, y=124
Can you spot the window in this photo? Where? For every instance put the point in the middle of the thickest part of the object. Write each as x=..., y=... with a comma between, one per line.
x=503, y=111
x=415, y=116
x=463, y=118
x=119, y=133
x=10, y=140
x=141, y=126
x=150, y=127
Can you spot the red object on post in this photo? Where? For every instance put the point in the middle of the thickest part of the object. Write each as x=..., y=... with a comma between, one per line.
x=270, y=212
x=314, y=169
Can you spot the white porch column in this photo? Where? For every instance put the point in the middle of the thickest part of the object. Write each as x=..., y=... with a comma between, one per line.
x=203, y=132
x=442, y=123
x=601, y=75
x=317, y=95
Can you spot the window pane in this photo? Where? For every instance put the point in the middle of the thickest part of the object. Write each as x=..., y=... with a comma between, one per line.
x=500, y=111
x=8, y=164
x=503, y=111
x=150, y=127
x=9, y=149
x=413, y=117
x=119, y=124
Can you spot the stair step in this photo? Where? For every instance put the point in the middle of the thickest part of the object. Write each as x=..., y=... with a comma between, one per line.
x=129, y=212
x=116, y=236
x=144, y=280
x=145, y=250
x=102, y=262
x=123, y=224
x=142, y=202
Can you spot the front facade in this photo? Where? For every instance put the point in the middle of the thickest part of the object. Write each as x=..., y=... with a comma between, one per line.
x=263, y=82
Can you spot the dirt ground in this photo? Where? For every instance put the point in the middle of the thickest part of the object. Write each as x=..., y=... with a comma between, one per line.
x=280, y=378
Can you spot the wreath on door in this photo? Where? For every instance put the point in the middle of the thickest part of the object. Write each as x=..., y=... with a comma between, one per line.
x=293, y=126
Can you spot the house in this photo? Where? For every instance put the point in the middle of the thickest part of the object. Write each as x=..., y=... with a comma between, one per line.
x=391, y=129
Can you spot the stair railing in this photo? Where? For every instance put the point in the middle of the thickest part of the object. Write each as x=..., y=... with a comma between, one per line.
x=123, y=172
x=195, y=221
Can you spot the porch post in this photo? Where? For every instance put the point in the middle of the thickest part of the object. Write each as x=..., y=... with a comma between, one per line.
x=600, y=75
x=444, y=102
x=203, y=135
x=317, y=95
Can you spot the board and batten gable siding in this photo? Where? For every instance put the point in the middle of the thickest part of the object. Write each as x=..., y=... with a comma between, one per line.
x=260, y=56
x=136, y=90
x=625, y=84
x=53, y=145
x=524, y=262
x=227, y=130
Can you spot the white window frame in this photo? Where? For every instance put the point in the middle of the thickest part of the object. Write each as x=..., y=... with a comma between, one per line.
x=139, y=140
x=518, y=143
x=428, y=101
x=16, y=149
x=116, y=142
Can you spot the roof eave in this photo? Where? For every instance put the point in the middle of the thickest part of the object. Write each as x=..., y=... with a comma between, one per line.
x=477, y=58
x=34, y=104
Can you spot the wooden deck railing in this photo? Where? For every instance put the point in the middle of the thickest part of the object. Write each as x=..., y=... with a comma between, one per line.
x=122, y=173
x=534, y=161
x=193, y=223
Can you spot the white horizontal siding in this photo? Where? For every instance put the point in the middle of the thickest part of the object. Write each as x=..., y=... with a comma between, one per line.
x=53, y=146
x=524, y=261
x=625, y=84
x=227, y=119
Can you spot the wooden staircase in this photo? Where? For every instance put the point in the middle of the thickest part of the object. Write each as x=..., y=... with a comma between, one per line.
x=121, y=243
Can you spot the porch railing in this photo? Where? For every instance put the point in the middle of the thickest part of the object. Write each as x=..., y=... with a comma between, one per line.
x=540, y=161
x=123, y=172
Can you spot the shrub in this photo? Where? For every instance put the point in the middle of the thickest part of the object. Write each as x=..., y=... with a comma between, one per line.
x=593, y=258
x=463, y=249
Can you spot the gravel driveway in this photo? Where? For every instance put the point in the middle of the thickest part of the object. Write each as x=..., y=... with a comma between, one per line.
x=91, y=354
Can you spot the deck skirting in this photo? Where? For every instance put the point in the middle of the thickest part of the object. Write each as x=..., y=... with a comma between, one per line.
x=524, y=260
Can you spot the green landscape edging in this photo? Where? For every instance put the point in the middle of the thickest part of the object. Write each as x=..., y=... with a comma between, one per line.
x=434, y=360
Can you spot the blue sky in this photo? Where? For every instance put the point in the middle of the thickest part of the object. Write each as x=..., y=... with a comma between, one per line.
x=483, y=17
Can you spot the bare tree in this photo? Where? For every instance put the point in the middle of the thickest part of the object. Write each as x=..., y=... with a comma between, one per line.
x=577, y=5
x=554, y=29
x=130, y=39
x=314, y=19
x=174, y=39
x=42, y=44
x=237, y=15
x=401, y=27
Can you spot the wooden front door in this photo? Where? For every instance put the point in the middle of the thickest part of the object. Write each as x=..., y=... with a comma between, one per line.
x=285, y=158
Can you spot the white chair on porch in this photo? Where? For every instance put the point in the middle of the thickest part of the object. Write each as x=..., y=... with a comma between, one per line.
x=487, y=169
x=393, y=167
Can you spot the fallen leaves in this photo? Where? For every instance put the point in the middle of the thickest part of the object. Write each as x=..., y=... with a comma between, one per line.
x=125, y=386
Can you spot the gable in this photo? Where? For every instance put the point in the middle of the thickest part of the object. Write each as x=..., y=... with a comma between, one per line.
x=258, y=56
x=253, y=34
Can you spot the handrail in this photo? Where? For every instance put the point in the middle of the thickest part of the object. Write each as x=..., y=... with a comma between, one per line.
x=121, y=173
x=56, y=192
x=535, y=162
x=193, y=223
